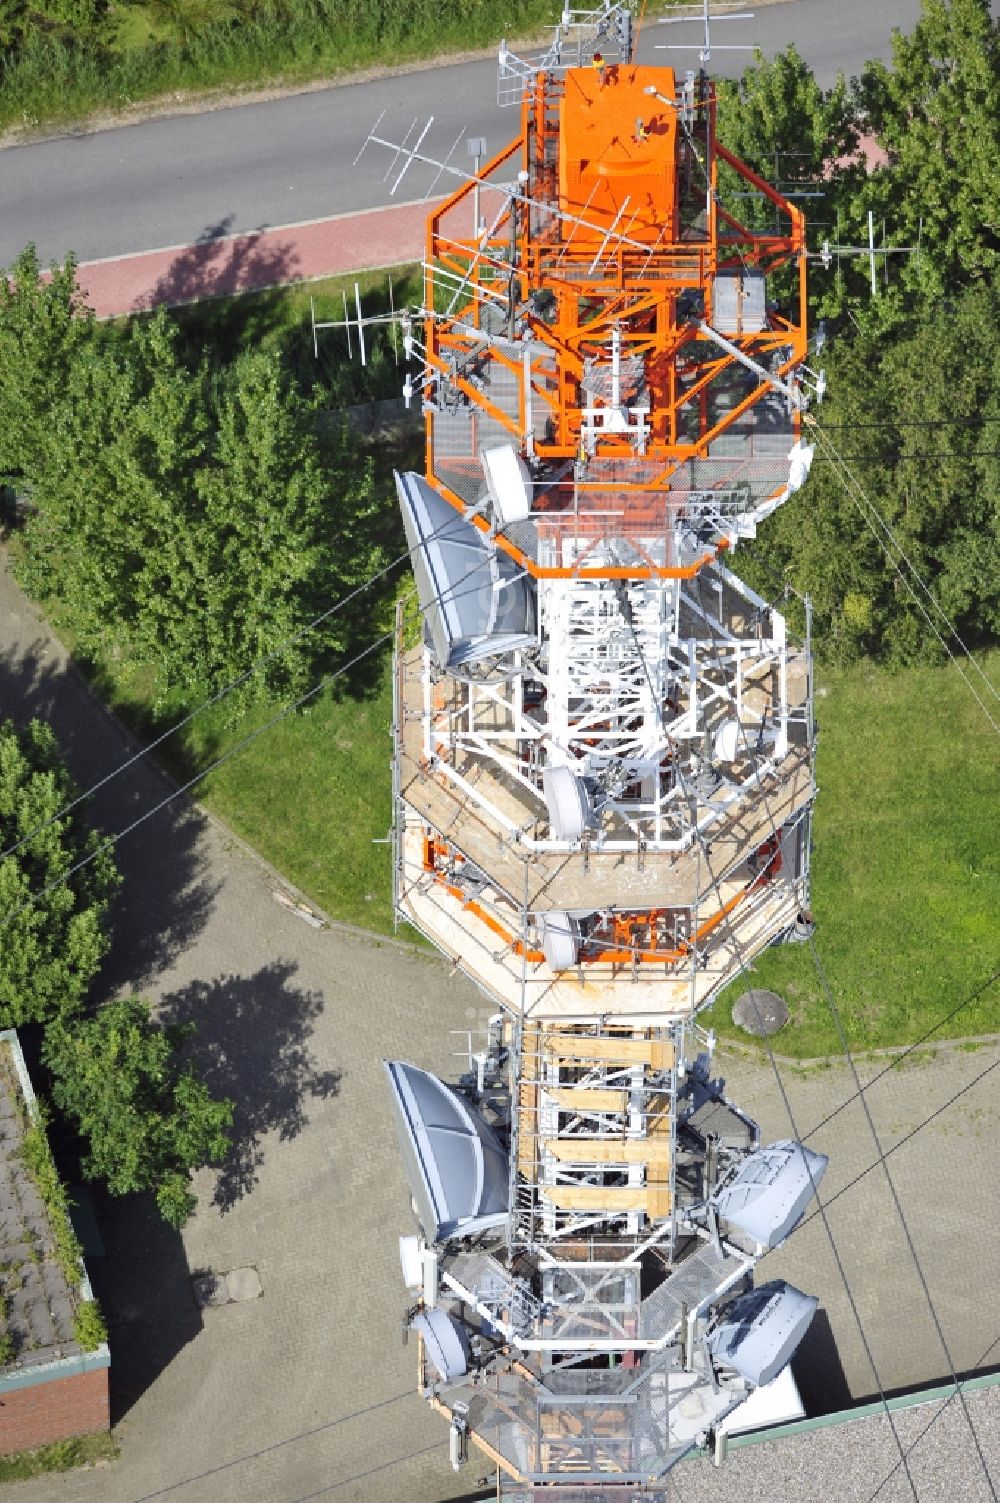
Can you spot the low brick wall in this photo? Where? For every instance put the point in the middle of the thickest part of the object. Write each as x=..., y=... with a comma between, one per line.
x=56, y=1410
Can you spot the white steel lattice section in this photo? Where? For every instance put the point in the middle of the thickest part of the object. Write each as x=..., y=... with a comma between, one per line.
x=673, y=702
x=607, y=674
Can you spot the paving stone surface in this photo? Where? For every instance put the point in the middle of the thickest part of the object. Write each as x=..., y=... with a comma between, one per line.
x=308, y=1393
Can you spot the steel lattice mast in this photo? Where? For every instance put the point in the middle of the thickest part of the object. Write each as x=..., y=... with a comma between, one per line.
x=603, y=775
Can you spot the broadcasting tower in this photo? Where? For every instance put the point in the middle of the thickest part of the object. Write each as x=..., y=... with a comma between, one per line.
x=603, y=776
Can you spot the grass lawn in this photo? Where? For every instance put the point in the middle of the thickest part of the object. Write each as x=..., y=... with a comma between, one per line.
x=61, y=1456
x=313, y=794
x=906, y=866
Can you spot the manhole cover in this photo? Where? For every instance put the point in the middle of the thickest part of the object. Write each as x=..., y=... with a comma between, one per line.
x=233, y=1288
x=243, y=1284
x=760, y=1013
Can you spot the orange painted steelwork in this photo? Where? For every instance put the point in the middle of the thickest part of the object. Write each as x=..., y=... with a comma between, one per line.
x=616, y=233
x=626, y=926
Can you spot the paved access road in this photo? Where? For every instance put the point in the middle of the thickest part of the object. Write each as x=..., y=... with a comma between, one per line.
x=175, y=180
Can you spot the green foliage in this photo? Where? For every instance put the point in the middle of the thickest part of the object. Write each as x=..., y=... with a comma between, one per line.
x=938, y=487
x=115, y=526
x=37, y=1158
x=923, y=349
x=153, y=1121
x=148, y=1120
x=62, y=20
x=61, y=1456
x=53, y=940
x=187, y=520
x=936, y=112
x=284, y=529
x=161, y=46
x=7, y=1345
x=89, y=1329
x=779, y=121
x=43, y=326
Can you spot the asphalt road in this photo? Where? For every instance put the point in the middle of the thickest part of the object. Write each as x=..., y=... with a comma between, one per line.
x=175, y=180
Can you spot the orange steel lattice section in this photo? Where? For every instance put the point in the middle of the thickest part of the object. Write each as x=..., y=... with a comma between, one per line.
x=624, y=938
x=575, y=325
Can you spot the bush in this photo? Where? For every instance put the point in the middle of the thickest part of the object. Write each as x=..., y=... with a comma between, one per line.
x=89, y=1329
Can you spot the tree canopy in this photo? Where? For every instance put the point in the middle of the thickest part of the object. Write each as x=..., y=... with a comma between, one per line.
x=936, y=114
x=188, y=519
x=283, y=527
x=55, y=890
x=148, y=1119
x=114, y=500
x=44, y=325
x=788, y=129
x=919, y=446
x=913, y=370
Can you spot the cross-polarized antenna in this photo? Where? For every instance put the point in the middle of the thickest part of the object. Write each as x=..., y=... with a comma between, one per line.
x=870, y=252
x=580, y=30
x=515, y=193
x=359, y=323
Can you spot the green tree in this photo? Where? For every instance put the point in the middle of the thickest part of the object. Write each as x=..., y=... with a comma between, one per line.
x=780, y=122
x=53, y=916
x=287, y=529
x=938, y=487
x=796, y=136
x=195, y=522
x=43, y=327
x=936, y=113
x=149, y=1121
x=115, y=536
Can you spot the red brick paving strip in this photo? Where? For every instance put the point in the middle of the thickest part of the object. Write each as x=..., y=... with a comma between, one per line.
x=245, y=263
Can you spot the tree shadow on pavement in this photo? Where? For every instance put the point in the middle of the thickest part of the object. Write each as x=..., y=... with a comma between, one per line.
x=220, y=264
x=252, y=1045
x=167, y=894
x=143, y=1284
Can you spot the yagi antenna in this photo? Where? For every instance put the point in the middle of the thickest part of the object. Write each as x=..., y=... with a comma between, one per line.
x=869, y=252
x=446, y=163
x=411, y=155
x=610, y=24
x=358, y=321
x=361, y=327
x=392, y=165
x=514, y=193
x=705, y=51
